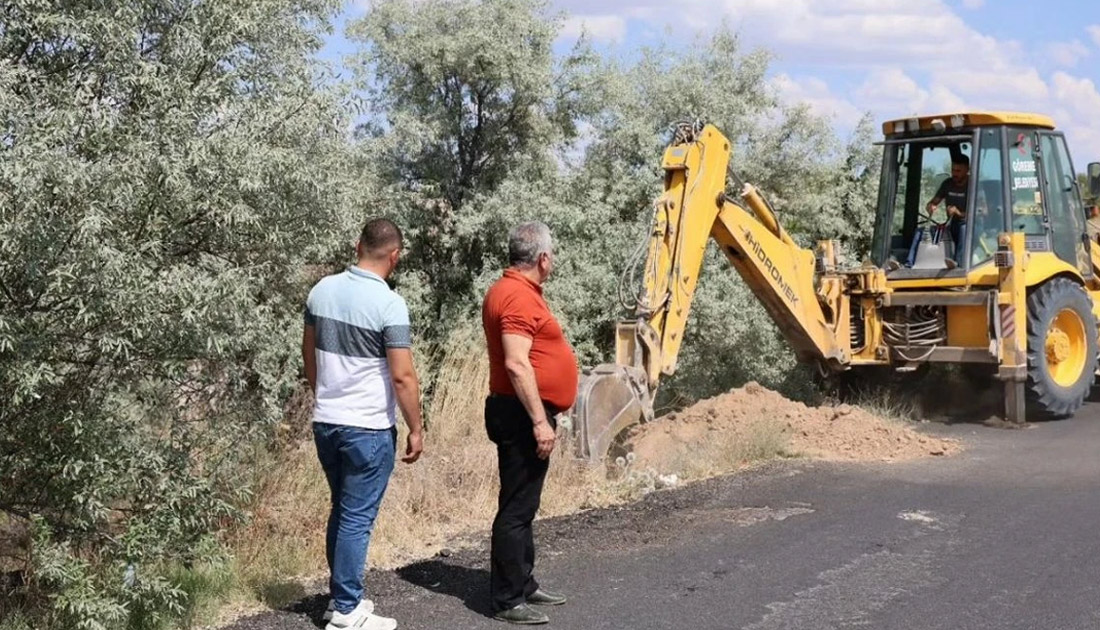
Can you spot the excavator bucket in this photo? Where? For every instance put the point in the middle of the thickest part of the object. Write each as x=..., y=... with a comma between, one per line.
x=610, y=398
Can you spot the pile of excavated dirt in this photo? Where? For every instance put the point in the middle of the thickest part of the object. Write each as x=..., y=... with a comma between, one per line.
x=754, y=421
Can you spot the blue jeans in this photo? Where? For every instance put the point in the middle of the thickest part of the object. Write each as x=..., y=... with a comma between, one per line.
x=357, y=463
x=958, y=235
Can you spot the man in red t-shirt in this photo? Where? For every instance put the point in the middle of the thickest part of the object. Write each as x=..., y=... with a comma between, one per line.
x=532, y=378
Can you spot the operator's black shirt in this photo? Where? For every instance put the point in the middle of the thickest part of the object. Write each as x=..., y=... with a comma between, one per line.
x=953, y=195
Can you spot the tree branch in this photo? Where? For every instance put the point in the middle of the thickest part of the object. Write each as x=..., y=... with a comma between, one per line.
x=7, y=292
x=16, y=512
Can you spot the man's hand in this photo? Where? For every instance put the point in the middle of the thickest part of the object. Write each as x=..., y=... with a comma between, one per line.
x=406, y=387
x=414, y=446
x=544, y=436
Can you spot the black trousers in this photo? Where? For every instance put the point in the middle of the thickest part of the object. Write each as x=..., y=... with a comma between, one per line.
x=512, y=553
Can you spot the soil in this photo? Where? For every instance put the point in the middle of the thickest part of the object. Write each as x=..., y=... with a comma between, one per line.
x=753, y=414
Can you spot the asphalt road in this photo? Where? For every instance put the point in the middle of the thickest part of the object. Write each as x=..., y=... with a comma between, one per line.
x=1006, y=535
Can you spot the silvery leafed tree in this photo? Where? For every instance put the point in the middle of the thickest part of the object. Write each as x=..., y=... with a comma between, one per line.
x=167, y=168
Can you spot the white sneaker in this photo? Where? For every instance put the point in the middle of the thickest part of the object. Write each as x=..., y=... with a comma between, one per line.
x=360, y=619
x=374, y=622
x=332, y=608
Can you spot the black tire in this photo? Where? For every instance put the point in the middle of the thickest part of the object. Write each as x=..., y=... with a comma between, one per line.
x=1046, y=396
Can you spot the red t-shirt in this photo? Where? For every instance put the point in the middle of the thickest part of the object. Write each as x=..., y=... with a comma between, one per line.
x=514, y=305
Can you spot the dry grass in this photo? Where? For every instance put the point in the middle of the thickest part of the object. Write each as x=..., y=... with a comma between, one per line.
x=452, y=490
x=727, y=452
x=890, y=405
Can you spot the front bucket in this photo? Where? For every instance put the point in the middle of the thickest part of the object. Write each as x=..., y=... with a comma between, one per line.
x=609, y=399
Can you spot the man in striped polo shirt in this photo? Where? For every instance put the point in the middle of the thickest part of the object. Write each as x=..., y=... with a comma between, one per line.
x=357, y=350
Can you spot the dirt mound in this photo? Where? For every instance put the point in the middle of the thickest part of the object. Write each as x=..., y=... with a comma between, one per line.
x=754, y=422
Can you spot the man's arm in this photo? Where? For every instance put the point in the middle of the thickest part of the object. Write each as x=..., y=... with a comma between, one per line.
x=309, y=356
x=406, y=386
x=517, y=362
x=941, y=192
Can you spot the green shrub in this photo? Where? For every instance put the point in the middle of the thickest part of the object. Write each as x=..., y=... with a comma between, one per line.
x=167, y=171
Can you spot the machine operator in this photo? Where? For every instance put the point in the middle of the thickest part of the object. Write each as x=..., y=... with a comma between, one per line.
x=954, y=189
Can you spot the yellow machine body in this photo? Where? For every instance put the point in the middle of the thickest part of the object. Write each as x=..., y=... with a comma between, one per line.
x=882, y=313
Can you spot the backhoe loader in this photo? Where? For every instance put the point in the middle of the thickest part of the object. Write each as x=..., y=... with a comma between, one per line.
x=1015, y=292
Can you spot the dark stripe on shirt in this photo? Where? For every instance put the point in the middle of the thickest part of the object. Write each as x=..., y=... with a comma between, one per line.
x=397, y=337
x=348, y=340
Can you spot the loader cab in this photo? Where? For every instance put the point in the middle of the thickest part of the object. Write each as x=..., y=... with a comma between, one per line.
x=1021, y=179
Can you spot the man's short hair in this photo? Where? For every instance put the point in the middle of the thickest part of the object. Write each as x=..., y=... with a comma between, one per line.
x=380, y=237
x=527, y=241
x=961, y=159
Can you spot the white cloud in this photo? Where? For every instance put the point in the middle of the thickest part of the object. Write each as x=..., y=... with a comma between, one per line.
x=816, y=93
x=1094, y=33
x=892, y=93
x=1075, y=103
x=1067, y=53
x=862, y=33
x=849, y=33
x=890, y=84
x=1018, y=86
x=1078, y=91
x=973, y=4
x=607, y=28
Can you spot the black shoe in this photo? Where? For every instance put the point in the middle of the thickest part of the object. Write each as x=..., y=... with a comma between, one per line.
x=522, y=614
x=546, y=598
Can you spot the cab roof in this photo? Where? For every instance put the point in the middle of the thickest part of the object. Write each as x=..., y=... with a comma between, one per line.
x=964, y=119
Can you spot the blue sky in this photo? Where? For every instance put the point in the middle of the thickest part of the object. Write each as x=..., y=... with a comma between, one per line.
x=892, y=58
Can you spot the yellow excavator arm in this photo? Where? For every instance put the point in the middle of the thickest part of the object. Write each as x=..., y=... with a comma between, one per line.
x=694, y=208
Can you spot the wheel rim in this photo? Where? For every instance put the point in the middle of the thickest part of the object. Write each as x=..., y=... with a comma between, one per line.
x=1066, y=347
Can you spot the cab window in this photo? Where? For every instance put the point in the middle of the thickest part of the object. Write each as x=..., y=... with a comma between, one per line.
x=918, y=170
x=1067, y=216
x=989, y=208
x=1025, y=195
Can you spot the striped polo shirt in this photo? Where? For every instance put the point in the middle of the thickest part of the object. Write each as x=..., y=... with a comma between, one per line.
x=356, y=317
